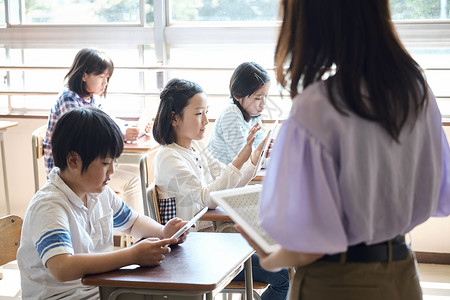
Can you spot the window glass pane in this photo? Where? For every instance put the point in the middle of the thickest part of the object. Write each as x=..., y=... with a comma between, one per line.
x=436, y=66
x=2, y=12
x=81, y=12
x=419, y=9
x=149, y=15
x=224, y=10
x=125, y=79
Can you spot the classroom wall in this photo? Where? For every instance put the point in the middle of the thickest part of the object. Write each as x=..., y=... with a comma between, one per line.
x=432, y=236
x=19, y=165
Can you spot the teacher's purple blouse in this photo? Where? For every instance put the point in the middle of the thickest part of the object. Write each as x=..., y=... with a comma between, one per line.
x=336, y=180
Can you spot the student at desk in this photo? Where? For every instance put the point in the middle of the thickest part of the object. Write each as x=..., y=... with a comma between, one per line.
x=249, y=87
x=68, y=227
x=185, y=173
x=87, y=82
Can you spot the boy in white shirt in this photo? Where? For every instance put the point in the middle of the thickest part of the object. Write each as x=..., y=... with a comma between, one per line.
x=68, y=227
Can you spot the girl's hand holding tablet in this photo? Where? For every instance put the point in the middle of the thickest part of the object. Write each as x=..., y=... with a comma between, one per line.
x=246, y=150
x=257, y=152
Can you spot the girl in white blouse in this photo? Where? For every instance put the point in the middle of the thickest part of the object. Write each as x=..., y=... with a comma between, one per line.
x=185, y=173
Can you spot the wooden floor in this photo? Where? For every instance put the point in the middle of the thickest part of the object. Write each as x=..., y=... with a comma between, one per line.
x=435, y=282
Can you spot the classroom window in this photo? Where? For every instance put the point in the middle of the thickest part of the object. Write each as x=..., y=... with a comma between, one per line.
x=75, y=12
x=2, y=13
x=223, y=10
x=217, y=81
x=125, y=91
x=419, y=9
x=209, y=37
x=267, y=10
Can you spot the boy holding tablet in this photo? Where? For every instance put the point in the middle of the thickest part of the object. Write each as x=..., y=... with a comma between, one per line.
x=68, y=227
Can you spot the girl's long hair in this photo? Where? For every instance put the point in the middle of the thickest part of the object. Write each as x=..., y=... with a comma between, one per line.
x=89, y=61
x=247, y=78
x=374, y=76
x=173, y=99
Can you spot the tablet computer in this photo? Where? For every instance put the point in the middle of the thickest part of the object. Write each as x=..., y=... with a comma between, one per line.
x=242, y=205
x=269, y=135
x=190, y=223
x=143, y=121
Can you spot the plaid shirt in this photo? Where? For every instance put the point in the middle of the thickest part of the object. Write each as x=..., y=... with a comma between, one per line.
x=67, y=101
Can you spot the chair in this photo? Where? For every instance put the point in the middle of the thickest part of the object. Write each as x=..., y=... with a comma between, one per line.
x=10, y=230
x=151, y=209
x=146, y=168
x=37, y=141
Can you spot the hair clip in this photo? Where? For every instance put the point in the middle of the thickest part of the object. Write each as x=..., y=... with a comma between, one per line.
x=259, y=79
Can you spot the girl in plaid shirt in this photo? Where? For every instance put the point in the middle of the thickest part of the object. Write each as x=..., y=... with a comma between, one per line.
x=87, y=81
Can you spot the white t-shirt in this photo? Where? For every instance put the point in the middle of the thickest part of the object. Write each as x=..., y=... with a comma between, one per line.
x=57, y=222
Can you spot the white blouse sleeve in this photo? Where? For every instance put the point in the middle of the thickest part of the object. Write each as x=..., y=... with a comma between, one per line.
x=217, y=167
x=175, y=178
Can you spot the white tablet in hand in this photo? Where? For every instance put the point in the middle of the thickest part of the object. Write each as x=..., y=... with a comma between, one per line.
x=242, y=205
x=190, y=223
x=265, y=147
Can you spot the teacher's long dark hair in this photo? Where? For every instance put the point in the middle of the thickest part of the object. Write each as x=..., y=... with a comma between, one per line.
x=374, y=75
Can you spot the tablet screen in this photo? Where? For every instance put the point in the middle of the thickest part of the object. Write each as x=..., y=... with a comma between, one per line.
x=242, y=205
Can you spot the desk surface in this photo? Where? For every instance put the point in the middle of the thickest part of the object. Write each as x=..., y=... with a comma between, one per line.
x=217, y=214
x=142, y=144
x=7, y=124
x=200, y=264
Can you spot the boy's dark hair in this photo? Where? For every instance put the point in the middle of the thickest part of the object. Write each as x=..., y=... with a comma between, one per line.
x=87, y=61
x=174, y=98
x=89, y=132
x=247, y=78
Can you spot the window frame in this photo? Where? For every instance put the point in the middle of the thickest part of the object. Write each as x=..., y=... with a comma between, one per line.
x=164, y=36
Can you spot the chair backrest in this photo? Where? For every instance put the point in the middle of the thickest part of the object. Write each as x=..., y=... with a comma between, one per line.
x=37, y=147
x=10, y=230
x=152, y=195
x=146, y=168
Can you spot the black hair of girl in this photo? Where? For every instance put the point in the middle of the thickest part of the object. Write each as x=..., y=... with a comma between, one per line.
x=173, y=99
x=89, y=132
x=87, y=61
x=247, y=78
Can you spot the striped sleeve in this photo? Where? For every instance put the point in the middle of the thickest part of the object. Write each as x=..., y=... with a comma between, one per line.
x=124, y=216
x=49, y=230
x=53, y=239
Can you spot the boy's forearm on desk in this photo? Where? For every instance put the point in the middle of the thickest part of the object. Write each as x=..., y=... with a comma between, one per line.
x=146, y=227
x=66, y=267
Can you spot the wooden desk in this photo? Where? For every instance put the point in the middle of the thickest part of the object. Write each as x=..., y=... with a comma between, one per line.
x=142, y=144
x=217, y=214
x=203, y=265
x=260, y=175
x=3, y=126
